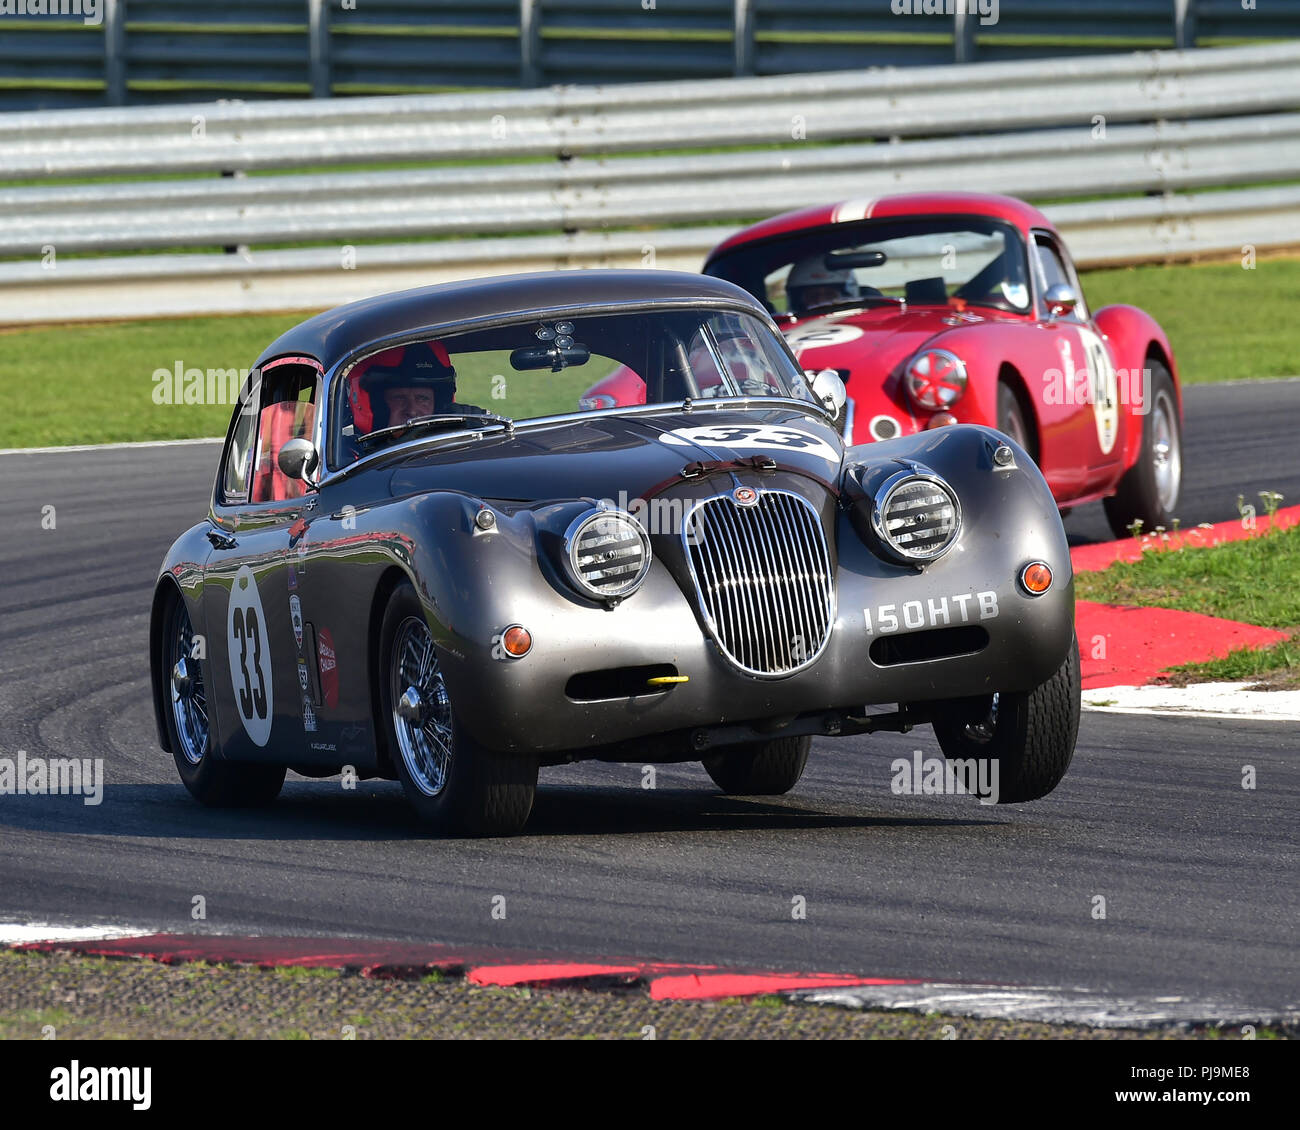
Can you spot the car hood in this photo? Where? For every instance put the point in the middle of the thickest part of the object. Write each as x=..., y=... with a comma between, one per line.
x=636, y=455
x=879, y=340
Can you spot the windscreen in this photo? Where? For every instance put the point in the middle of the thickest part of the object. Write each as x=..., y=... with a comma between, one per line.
x=546, y=366
x=939, y=261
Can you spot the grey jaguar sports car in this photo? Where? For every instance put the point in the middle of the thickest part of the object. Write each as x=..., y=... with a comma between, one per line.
x=428, y=556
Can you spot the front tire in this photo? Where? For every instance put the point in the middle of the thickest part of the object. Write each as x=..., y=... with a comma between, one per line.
x=760, y=768
x=217, y=784
x=1011, y=419
x=1148, y=492
x=454, y=784
x=1030, y=734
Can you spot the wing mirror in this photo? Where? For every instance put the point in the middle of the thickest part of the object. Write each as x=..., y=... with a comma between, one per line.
x=829, y=391
x=1060, y=299
x=298, y=459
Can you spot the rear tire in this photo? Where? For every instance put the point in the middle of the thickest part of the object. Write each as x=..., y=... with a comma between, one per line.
x=760, y=768
x=1030, y=734
x=217, y=784
x=1149, y=490
x=454, y=784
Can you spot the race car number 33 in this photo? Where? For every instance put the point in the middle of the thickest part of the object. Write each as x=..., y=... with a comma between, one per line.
x=250, y=657
x=761, y=437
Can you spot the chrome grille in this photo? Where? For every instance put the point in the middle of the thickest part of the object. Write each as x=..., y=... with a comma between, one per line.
x=763, y=576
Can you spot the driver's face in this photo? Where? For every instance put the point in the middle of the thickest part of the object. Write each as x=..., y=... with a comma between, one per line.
x=408, y=403
x=813, y=296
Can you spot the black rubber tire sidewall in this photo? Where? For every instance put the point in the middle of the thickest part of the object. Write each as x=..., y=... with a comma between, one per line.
x=760, y=768
x=1034, y=738
x=1137, y=498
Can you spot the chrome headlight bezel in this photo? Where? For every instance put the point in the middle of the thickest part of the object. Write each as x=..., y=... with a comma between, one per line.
x=947, y=398
x=914, y=472
x=572, y=546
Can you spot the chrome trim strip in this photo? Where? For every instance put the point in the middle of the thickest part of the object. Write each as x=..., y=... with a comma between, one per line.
x=712, y=404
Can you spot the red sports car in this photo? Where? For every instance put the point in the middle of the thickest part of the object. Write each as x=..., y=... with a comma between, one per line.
x=937, y=308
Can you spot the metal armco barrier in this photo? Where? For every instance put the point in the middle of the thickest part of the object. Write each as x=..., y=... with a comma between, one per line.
x=502, y=170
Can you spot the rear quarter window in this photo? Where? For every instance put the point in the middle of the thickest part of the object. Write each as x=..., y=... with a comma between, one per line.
x=237, y=468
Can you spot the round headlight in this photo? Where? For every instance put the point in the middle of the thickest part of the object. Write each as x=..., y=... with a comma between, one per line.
x=916, y=515
x=607, y=554
x=935, y=379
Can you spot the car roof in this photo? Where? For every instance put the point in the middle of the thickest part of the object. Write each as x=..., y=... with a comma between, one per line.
x=337, y=333
x=1008, y=208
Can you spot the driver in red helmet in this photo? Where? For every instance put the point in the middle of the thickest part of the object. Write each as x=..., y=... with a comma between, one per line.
x=402, y=384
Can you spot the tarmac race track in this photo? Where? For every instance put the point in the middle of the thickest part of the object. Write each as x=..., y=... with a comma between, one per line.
x=1199, y=875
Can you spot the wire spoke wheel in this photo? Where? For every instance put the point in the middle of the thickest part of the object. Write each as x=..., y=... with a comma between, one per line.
x=455, y=783
x=982, y=731
x=422, y=721
x=189, y=702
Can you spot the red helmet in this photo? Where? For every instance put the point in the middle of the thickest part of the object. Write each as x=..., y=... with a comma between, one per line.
x=423, y=363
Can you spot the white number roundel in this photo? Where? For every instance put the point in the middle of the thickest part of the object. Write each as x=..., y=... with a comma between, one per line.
x=754, y=437
x=814, y=335
x=1104, y=389
x=250, y=657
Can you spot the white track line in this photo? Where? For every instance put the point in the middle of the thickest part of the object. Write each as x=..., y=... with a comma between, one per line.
x=1049, y=1005
x=1197, y=700
x=23, y=933
x=110, y=446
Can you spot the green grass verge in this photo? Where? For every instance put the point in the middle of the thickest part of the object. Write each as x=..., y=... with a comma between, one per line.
x=1253, y=582
x=1223, y=321
x=1274, y=668
x=94, y=384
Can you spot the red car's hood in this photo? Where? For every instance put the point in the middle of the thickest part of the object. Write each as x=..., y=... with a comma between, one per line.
x=875, y=342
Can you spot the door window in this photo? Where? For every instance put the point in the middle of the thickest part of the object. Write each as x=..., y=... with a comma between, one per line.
x=1052, y=270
